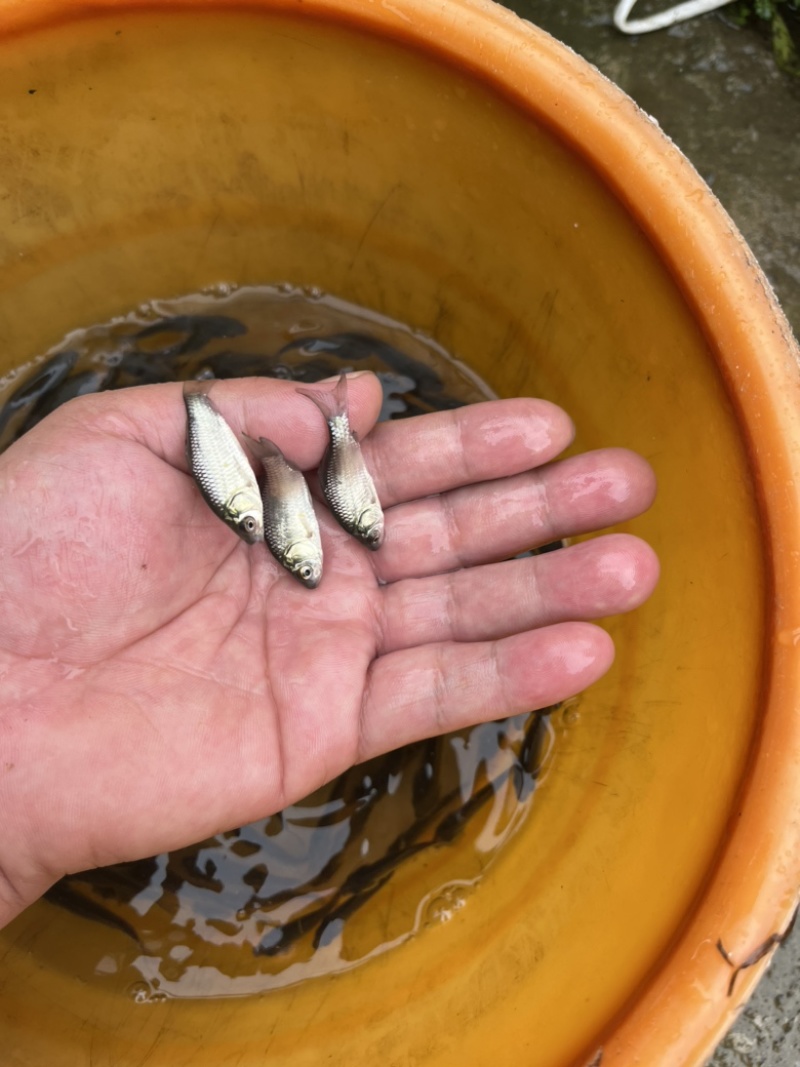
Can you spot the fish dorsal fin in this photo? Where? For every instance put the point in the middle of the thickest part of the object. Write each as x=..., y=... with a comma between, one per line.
x=263, y=448
x=267, y=451
x=331, y=402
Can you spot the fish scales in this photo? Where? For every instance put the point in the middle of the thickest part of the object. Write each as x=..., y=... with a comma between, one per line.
x=291, y=530
x=346, y=483
x=220, y=466
x=345, y=480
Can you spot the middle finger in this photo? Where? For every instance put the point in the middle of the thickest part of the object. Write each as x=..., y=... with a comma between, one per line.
x=495, y=520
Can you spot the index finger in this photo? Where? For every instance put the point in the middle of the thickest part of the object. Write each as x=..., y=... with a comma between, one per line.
x=408, y=458
x=428, y=454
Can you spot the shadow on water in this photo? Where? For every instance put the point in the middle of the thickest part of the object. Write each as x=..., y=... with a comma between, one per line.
x=286, y=898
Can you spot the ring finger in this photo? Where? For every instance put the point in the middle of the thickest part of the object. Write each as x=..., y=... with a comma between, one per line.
x=604, y=576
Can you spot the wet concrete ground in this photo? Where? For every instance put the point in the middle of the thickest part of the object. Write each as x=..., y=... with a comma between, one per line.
x=715, y=90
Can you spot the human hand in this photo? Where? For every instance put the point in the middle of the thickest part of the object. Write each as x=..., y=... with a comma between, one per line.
x=162, y=681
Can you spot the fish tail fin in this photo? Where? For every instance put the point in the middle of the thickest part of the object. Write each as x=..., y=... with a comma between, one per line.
x=263, y=448
x=198, y=387
x=331, y=402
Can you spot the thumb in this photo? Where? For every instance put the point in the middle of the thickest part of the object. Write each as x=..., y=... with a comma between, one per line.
x=155, y=416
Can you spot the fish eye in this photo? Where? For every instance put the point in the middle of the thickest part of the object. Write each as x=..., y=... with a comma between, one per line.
x=305, y=572
x=249, y=524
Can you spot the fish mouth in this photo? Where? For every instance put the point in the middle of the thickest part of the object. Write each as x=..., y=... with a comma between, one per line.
x=310, y=581
x=373, y=538
x=251, y=538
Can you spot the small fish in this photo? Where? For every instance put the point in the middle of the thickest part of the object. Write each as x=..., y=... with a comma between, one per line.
x=290, y=525
x=346, y=482
x=220, y=465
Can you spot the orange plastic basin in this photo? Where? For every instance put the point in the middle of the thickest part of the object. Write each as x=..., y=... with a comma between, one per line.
x=453, y=167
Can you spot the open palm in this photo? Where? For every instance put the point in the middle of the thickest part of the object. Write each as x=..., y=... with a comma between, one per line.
x=162, y=681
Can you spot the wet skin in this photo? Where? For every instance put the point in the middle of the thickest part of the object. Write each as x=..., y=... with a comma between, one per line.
x=163, y=681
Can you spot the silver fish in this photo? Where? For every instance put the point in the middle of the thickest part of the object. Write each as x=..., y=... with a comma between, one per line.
x=220, y=466
x=346, y=482
x=290, y=525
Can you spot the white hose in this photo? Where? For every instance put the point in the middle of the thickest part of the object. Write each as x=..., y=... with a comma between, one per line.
x=679, y=13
